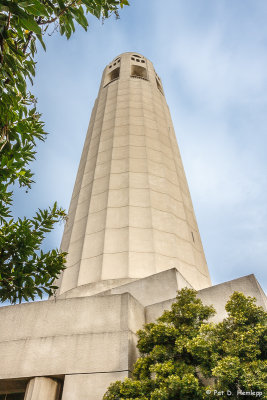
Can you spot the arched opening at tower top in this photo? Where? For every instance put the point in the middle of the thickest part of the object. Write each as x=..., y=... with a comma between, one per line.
x=113, y=75
x=138, y=72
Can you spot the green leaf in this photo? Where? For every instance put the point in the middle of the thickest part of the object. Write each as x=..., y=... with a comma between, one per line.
x=40, y=38
x=36, y=8
x=31, y=25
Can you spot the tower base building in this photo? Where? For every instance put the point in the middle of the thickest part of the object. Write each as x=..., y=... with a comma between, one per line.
x=132, y=241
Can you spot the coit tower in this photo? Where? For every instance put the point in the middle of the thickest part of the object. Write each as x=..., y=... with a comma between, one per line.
x=131, y=214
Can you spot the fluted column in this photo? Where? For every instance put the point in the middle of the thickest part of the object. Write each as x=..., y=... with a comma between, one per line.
x=42, y=388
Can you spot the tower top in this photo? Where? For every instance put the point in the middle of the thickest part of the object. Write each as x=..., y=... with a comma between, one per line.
x=133, y=65
x=133, y=54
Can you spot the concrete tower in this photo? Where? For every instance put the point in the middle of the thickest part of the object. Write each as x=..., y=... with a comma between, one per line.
x=131, y=213
x=132, y=240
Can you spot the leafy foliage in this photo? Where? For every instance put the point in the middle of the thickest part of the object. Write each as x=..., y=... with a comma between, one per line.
x=22, y=23
x=183, y=356
x=28, y=271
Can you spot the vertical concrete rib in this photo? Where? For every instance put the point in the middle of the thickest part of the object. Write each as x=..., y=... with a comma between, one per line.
x=70, y=279
x=84, y=273
x=105, y=250
x=147, y=123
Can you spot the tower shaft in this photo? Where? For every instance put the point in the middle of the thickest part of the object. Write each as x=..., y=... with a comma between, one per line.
x=131, y=213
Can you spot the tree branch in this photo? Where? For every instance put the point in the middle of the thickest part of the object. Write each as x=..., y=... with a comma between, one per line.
x=57, y=16
x=27, y=42
x=30, y=36
x=8, y=21
x=4, y=137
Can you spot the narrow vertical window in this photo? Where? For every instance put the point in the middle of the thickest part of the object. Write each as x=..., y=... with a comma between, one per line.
x=159, y=86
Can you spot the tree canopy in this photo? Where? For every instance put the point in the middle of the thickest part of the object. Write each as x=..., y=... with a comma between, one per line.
x=185, y=357
x=26, y=271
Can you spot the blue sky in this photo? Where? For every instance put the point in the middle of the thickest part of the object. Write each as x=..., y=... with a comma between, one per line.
x=212, y=59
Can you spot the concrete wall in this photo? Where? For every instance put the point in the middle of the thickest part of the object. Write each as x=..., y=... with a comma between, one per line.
x=154, y=288
x=89, y=386
x=79, y=335
x=90, y=342
x=94, y=288
x=217, y=296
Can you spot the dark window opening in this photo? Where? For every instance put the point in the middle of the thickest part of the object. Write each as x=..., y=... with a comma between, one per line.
x=142, y=61
x=193, y=237
x=132, y=58
x=12, y=396
x=135, y=55
x=159, y=86
x=138, y=72
x=138, y=60
x=113, y=75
